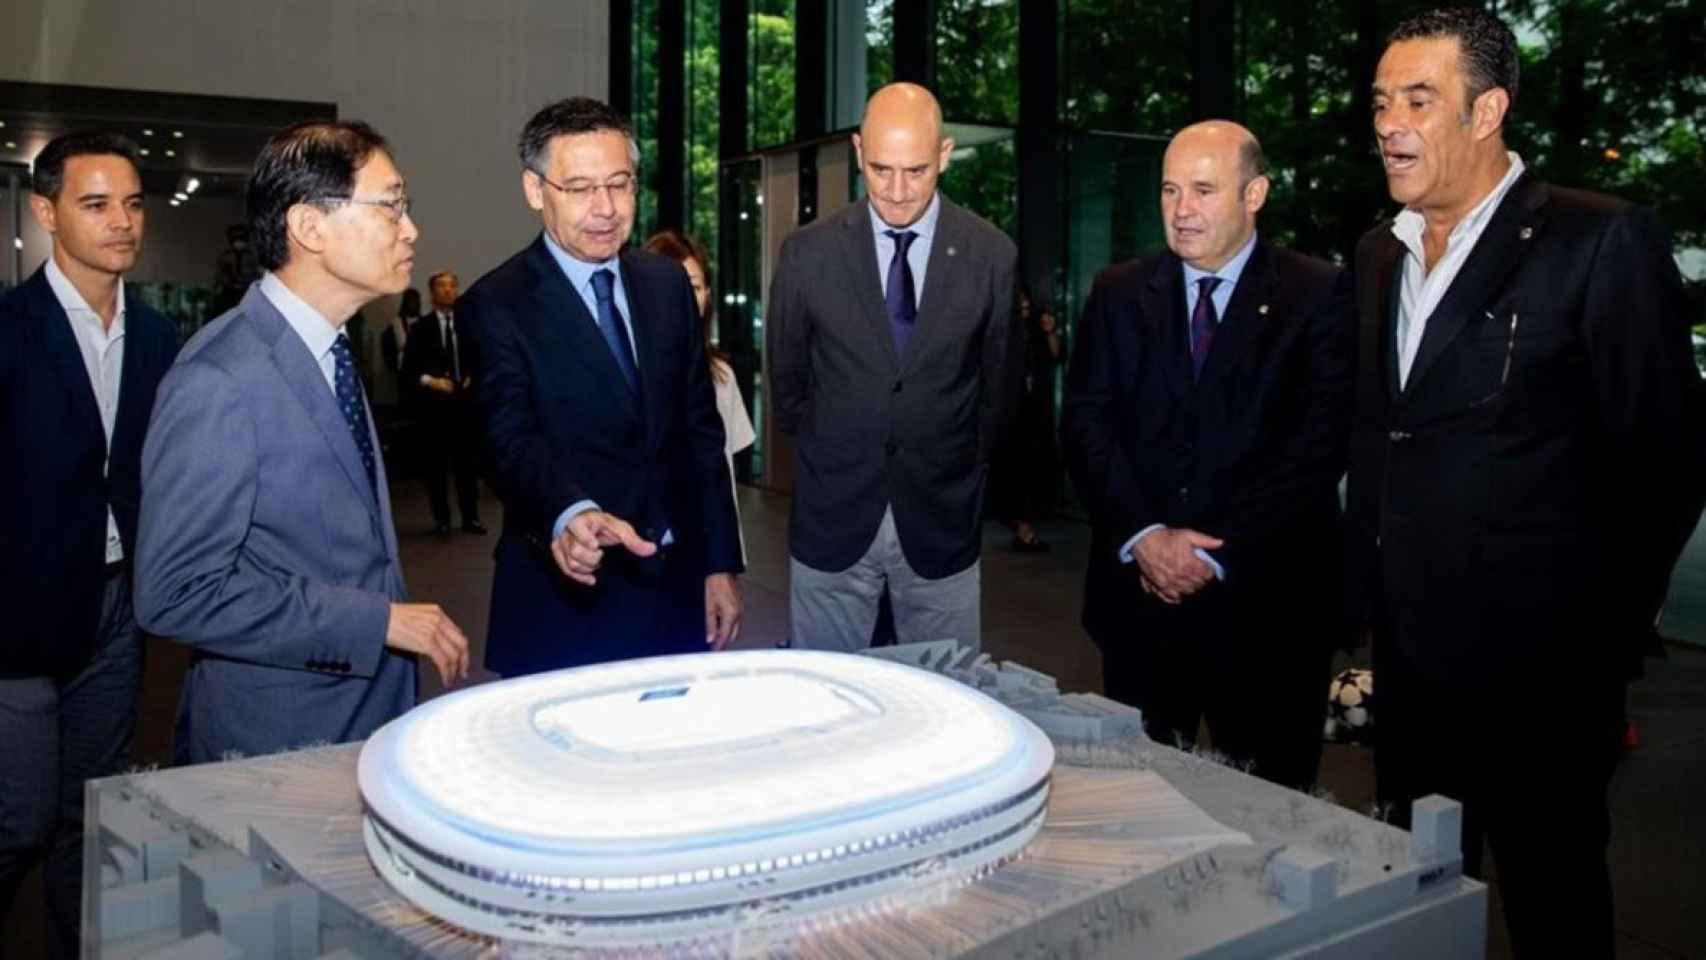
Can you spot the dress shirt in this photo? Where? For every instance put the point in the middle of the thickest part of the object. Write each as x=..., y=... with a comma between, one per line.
x=317, y=333
x=102, y=348
x=1228, y=275
x=917, y=255
x=1422, y=289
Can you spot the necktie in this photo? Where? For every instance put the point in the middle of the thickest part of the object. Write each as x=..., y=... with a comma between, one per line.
x=1202, y=323
x=354, y=408
x=900, y=296
x=610, y=324
x=450, y=345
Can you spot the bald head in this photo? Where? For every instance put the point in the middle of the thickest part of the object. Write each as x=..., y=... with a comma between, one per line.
x=902, y=151
x=1212, y=185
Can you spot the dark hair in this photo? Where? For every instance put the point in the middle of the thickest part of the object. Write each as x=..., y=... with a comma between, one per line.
x=571, y=116
x=1486, y=48
x=410, y=307
x=317, y=158
x=681, y=248
x=440, y=273
x=47, y=174
x=1252, y=162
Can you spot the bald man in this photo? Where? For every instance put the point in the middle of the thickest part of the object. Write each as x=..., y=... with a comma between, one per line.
x=1205, y=425
x=894, y=361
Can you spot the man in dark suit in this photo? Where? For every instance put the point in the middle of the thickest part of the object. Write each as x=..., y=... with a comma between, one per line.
x=439, y=369
x=79, y=363
x=620, y=537
x=266, y=541
x=894, y=361
x=1524, y=470
x=1205, y=425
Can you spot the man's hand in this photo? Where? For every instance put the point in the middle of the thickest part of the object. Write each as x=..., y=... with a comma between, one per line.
x=580, y=549
x=722, y=610
x=439, y=384
x=425, y=628
x=1168, y=562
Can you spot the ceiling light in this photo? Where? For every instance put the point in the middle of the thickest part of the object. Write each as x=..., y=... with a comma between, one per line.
x=177, y=134
x=175, y=201
x=2, y=124
x=147, y=132
x=171, y=153
x=11, y=146
x=180, y=196
x=18, y=243
x=192, y=186
x=143, y=151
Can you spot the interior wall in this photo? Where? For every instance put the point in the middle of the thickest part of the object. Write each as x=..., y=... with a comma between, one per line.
x=448, y=82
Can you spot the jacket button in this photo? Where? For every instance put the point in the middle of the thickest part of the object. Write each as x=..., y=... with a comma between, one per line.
x=891, y=448
x=1398, y=436
x=896, y=387
x=1184, y=493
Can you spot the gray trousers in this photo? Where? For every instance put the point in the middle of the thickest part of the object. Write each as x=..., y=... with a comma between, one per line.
x=838, y=611
x=56, y=734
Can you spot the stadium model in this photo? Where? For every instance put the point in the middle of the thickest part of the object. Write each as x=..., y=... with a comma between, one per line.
x=662, y=800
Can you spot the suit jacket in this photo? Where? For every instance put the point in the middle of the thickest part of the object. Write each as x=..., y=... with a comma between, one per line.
x=561, y=426
x=1250, y=452
x=428, y=355
x=1528, y=490
x=393, y=353
x=263, y=547
x=876, y=429
x=54, y=493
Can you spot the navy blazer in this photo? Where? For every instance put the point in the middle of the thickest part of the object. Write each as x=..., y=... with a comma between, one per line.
x=263, y=547
x=54, y=493
x=561, y=425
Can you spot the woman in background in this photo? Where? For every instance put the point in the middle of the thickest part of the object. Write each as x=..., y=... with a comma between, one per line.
x=737, y=426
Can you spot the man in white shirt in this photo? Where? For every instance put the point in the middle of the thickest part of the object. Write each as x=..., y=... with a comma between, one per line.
x=267, y=543
x=79, y=363
x=1524, y=470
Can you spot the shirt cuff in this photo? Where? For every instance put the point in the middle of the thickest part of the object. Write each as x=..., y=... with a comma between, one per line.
x=1128, y=551
x=575, y=509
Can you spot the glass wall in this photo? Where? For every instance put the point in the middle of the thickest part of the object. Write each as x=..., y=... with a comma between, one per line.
x=644, y=115
x=703, y=138
x=770, y=76
x=977, y=60
x=984, y=174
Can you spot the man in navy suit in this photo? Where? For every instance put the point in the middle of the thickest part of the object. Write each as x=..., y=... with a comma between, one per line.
x=267, y=542
x=79, y=362
x=620, y=538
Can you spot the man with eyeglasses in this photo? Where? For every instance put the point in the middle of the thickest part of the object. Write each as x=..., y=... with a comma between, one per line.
x=267, y=543
x=1524, y=471
x=602, y=434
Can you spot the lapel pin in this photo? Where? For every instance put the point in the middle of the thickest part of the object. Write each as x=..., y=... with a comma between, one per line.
x=1263, y=309
x=952, y=251
x=1526, y=232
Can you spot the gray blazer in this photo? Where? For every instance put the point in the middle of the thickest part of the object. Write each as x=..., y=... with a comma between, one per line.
x=262, y=546
x=874, y=428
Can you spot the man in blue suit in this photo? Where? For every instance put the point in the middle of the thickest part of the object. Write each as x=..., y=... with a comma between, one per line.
x=79, y=363
x=601, y=424
x=267, y=541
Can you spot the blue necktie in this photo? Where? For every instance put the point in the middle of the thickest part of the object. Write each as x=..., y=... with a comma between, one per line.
x=1203, y=321
x=610, y=324
x=901, y=297
x=354, y=408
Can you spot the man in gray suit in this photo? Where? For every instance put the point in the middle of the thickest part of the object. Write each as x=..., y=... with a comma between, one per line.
x=266, y=539
x=894, y=359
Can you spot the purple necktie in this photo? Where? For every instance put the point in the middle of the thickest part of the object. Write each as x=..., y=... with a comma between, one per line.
x=1202, y=323
x=901, y=297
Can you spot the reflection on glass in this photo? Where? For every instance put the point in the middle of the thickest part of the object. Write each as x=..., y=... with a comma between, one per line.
x=977, y=60
x=984, y=174
x=702, y=99
x=645, y=117
x=770, y=83
x=740, y=325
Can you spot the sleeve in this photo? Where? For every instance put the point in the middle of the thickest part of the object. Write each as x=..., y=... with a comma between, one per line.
x=704, y=437
x=787, y=342
x=1090, y=420
x=1003, y=355
x=195, y=580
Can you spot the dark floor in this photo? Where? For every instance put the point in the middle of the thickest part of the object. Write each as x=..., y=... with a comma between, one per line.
x=1031, y=615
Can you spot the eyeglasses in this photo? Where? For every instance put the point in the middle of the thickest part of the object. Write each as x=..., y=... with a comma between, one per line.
x=396, y=208
x=582, y=192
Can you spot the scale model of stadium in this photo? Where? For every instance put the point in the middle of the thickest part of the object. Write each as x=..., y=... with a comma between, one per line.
x=666, y=799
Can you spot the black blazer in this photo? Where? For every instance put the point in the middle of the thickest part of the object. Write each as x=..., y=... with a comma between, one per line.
x=1251, y=452
x=53, y=494
x=1529, y=489
x=873, y=429
x=561, y=425
x=428, y=355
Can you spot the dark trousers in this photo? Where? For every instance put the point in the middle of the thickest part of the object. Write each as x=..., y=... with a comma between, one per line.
x=1530, y=758
x=449, y=445
x=57, y=733
x=1263, y=695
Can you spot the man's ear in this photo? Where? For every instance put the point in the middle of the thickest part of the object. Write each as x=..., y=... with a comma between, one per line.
x=533, y=189
x=945, y=154
x=44, y=212
x=304, y=224
x=1256, y=194
x=1488, y=115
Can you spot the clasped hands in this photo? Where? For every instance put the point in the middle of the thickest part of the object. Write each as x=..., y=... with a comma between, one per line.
x=1169, y=567
x=579, y=551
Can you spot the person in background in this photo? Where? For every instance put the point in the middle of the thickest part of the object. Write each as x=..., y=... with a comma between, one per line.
x=439, y=370
x=737, y=426
x=394, y=339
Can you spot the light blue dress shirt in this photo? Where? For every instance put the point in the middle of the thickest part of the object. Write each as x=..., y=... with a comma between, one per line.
x=1222, y=296
x=917, y=255
x=315, y=331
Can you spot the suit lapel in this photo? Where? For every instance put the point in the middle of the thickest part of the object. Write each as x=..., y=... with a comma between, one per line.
x=1163, y=303
x=133, y=407
x=1501, y=247
x=1377, y=298
x=301, y=371
x=564, y=321
x=1246, y=312
x=861, y=249
x=934, y=316
x=63, y=355
x=645, y=306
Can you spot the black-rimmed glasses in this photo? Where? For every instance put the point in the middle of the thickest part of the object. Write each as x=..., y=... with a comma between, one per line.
x=582, y=192
x=396, y=208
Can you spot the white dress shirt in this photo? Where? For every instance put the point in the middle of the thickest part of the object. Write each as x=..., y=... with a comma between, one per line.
x=1421, y=289
x=102, y=348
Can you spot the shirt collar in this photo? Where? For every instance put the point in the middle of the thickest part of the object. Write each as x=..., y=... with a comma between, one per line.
x=579, y=271
x=314, y=329
x=924, y=227
x=72, y=302
x=1229, y=271
x=1407, y=225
